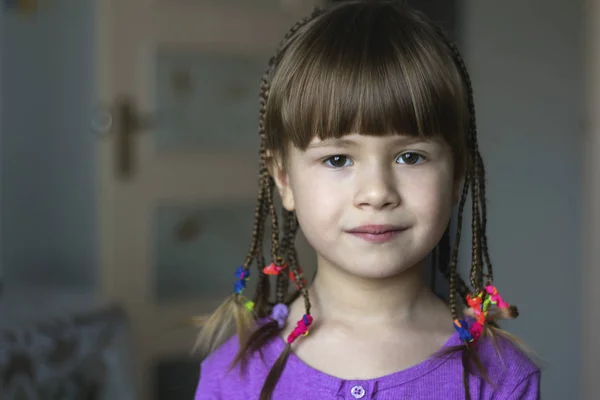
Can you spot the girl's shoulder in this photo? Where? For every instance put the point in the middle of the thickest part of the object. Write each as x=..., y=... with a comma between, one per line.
x=221, y=379
x=500, y=352
x=511, y=367
x=223, y=356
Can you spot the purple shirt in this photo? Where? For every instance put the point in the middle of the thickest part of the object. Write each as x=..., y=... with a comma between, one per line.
x=513, y=376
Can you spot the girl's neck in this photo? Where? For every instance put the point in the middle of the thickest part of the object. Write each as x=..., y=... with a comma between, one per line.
x=342, y=298
x=394, y=323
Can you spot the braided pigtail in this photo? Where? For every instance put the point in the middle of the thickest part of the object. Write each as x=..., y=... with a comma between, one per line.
x=258, y=337
x=292, y=257
x=477, y=178
x=453, y=277
x=482, y=294
x=283, y=255
x=235, y=314
x=263, y=287
x=302, y=328
x=236, y=311
x=265, y=331
x=489, y=275
x=280, y=311
x=263, y=291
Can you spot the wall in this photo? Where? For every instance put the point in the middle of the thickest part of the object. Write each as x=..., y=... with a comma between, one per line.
x=525, y=63
x=47, y=174
x=1, y=130
x=590, y=347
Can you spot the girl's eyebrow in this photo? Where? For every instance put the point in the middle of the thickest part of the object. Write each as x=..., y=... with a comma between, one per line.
x=340, y=142
x=345, y=143
x=408, y=140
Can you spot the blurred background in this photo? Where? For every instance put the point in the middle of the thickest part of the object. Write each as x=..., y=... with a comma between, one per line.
x=128, y=177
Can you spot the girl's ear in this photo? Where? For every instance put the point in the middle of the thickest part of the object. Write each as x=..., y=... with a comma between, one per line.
x=279, y=174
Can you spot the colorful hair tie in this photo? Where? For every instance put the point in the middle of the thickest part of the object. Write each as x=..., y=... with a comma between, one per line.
x=476, y=330
x=243, y=275
x=495, y=298
x=273, y=269
x=479, y=305
x=463, y=330
x=301, y=328
x=280, y=313
x=249, y=305
x=300, y=277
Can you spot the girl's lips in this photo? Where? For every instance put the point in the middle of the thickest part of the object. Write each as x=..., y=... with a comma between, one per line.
x=375, y=229
x=376, y=233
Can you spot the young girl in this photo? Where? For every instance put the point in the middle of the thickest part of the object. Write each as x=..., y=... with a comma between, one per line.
x=367, y=130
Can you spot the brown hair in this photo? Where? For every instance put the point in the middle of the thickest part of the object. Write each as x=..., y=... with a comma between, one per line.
x=373, y=67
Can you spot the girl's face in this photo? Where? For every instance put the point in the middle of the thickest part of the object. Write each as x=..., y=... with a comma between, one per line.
x=370, y=206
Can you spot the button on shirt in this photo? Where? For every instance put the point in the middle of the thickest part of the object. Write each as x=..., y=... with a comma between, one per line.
x=357, y=390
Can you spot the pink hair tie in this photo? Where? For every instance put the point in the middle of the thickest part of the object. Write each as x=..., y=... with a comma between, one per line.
x=301, y=328
x=495, y=297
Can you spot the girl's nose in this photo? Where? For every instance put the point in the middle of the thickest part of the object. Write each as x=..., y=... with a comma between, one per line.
x=377, y=188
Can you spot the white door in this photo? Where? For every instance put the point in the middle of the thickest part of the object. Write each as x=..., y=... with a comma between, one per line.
x=178, y=168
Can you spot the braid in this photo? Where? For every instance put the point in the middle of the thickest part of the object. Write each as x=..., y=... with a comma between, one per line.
x=258, y=217
x=263, y=287
x=294, y=266
x=264, y=179
x=476, y=267
x=233, y=313
x=264, y=95
x=265, y=207
x=475, y=176
x=295, y=28
x=473, y=165
x=303, y=288
x=474, y=171
x=265, y=86
x=290, y=230
x=292, y=257
x=283, y=281
x=291, y=226
x=275, y=257
x=262, y=293
x=489, y=276
x=476, y=274
x=454, y=260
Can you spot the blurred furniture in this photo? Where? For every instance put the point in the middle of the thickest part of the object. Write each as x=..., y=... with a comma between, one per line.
x=60, y=343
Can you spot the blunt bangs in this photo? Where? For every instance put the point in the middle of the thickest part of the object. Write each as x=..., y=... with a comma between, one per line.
x=384, y=74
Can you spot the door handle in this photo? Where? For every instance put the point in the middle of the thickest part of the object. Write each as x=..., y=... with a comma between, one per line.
x=124, y=121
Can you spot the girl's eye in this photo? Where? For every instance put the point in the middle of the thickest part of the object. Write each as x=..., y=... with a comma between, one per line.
x=410, y=158
x=338, y=161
